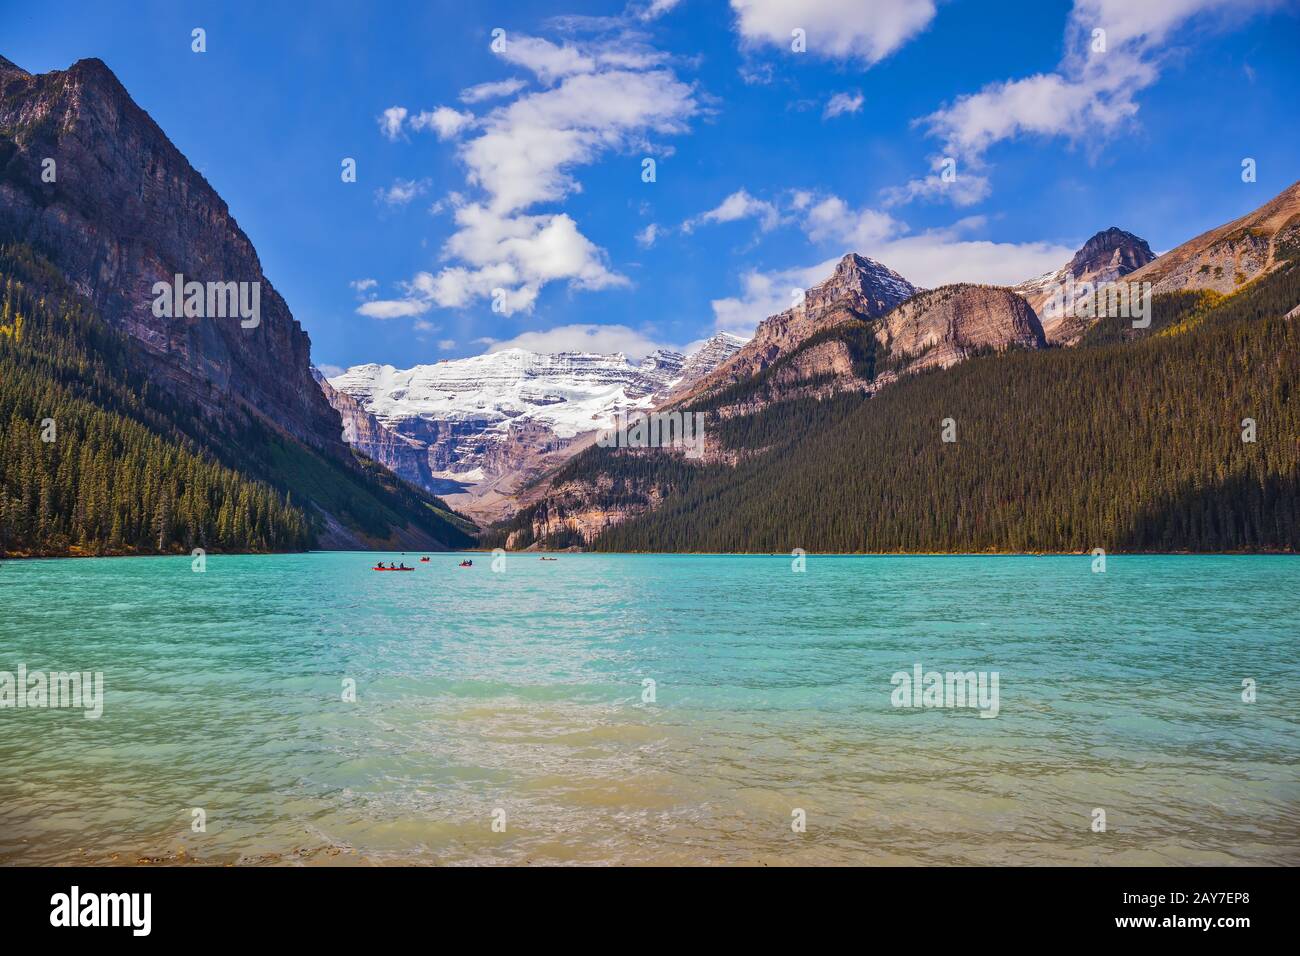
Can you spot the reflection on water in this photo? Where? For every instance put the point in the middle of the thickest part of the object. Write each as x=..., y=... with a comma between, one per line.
x=520, y=695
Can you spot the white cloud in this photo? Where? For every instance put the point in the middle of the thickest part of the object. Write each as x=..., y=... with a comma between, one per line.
x=739, y=205
x=939, y=257
x=363, y=286
x=508, y=259
x=842, y=103
x=528, y=147
x=831, y=219
x=547, y=60
x=444, y=121
x=835, y=29
x=446, y=344
x=392, y=308
x=964, y=189
x=656, y=8
x=524, y=155
x=1092, y=91
x=604, y=339
x=402, y=191
x=390, y=121
x=329, y=371
x=490, y=91
x=934, y=257
x=764, y=294
x=600, y=96
x=647, y=236
x=927, y=259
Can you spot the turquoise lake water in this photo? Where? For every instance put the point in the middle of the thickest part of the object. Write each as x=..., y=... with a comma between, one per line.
x=518, y=697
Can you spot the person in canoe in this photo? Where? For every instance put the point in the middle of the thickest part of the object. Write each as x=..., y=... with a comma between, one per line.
x=467, y=564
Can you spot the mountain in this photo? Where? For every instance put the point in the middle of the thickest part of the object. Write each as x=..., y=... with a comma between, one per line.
x=1223, y=259
x=367, y=434
x=1108, y=256
x=486, y=423
x=121, y=210
x=858, y=288
x=825, y=432
x=855, y=333
x=858, y=331
x=940, y=327
x=714, y=352
x=1126, y=444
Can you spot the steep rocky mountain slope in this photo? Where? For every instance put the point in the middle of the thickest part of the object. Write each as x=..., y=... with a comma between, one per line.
x=365, y=433
x=856, y=332
x=1225, y=258
x=940, y=327
x=859, y=288
x=125, y=210
x=478, y=427
x=703, y=360
x=1107, y=257
x=976, y=355
x=859, y=330
x=1036, y=462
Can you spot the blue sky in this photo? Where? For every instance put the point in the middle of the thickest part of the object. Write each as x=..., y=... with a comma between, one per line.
x=770, y=163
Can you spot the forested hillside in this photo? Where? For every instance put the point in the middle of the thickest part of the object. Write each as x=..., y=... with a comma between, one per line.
x=95, y=459
x=1132, y=441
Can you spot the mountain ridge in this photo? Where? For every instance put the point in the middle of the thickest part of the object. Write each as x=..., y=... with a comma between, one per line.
x=479, y=421
x=124, y=211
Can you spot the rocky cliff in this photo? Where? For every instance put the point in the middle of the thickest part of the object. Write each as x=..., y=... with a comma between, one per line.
x=940, y=327
x=126, y=210
x=92, y=188
x=859, y=288
x=366, y=434
x=1107, y=257
x=1225, y=258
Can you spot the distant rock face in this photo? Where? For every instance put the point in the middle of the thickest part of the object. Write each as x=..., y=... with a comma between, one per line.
x=858, y=288
x=940, y=327
x=478, y=420
x=1106, y=257
x=1227, y=257
x=127, y=210
x=707, y=357
x=364, y=432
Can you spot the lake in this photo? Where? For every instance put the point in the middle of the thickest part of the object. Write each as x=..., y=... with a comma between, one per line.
x=656, y=709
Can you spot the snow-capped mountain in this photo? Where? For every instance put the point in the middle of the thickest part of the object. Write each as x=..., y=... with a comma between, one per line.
x=708, y=357
x=476, y=420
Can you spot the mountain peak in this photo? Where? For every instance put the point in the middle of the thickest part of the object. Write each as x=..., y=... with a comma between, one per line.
x=870, y=287
x=1111, y=249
